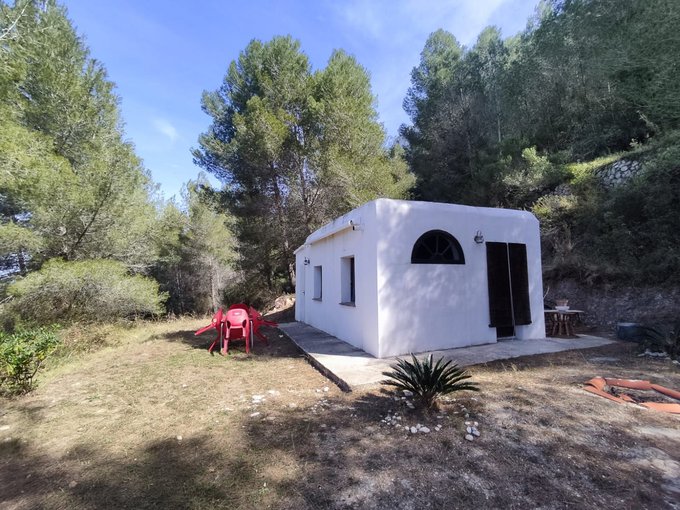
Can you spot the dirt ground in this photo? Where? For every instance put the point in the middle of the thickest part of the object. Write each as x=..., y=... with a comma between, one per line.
x=153, y=421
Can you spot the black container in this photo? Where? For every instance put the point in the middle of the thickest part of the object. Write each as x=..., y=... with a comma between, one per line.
x=629, y=331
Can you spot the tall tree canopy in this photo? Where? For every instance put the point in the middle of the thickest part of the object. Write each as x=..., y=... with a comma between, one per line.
x=70, y=185
x=294, y=148
x=584, y=79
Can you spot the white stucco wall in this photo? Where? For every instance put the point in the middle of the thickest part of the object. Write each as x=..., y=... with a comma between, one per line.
x=426, y=307
x=403, y=307
x=357, y=325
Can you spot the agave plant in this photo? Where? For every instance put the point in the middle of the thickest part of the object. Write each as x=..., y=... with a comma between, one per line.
x=429, y=380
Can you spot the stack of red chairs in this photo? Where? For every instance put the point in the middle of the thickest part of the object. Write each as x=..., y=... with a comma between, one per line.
x=241, y=322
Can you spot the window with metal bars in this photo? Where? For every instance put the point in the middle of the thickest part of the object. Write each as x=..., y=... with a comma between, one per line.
x=437, y=247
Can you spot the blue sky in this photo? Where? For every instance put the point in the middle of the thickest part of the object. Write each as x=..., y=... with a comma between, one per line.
x=163, y=54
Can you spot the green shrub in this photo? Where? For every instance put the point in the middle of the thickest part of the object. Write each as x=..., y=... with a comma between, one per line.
x=22, y=354
x=428, y=380
x=90, y=290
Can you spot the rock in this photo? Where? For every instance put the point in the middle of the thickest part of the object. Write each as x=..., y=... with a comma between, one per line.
x=469, y=430
x=254, y=415
x=323, y=425
x=475, y=432
x=468, y=423
x=4, y=427
x=475, y=424
x=179, y=438
x=469, y=437
x=407, y=393
x=424, y=430
x=73, y=484
x=467, y=415
x=325, y=389
x=413, y=430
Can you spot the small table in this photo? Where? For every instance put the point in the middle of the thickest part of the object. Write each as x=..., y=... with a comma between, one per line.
x=561, y=322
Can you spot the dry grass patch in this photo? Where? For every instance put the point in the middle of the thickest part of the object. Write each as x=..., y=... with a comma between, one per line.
x=153, y=421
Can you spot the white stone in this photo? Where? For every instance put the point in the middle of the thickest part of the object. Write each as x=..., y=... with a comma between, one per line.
x=325, y=388
x=469, y=430
x=475, y=432
x=4, y=427
x=469, y=437
x=407, y=393
x=179, y=438
x=424, y=430
x=253, y=415
x=413, y=430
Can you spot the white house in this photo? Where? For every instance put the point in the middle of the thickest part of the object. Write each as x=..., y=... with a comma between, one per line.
x=394, y=276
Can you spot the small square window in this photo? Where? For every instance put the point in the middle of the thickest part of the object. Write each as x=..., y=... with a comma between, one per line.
x=318, y=282
x=348, y=281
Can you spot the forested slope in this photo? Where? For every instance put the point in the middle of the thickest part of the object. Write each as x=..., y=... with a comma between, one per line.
x=534, y=121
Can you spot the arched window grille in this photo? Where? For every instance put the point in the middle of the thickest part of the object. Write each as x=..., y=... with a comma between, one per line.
x=437, y=247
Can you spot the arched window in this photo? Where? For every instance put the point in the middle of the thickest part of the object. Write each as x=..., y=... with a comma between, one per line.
x=437, y=247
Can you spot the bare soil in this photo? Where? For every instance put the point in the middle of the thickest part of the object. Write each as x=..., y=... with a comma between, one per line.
x=151, y=420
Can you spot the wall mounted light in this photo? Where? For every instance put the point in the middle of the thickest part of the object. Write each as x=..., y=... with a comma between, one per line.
x=479, y=238
x=306, y=261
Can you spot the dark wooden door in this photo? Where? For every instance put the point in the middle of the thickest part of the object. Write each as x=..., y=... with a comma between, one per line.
x=508, y=282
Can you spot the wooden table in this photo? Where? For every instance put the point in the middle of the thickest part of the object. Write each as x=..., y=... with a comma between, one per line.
x=561, y=322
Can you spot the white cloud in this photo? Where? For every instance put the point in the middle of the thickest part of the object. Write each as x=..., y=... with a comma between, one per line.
x=165, y=128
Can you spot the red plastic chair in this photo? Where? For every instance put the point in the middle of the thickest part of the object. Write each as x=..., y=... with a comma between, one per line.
x=240, y=322
x=216, y=323
x=258, y=322
x=238, y=326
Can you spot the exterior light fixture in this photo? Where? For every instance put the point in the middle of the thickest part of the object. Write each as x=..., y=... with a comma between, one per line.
x=306, y=261
x=479, y=238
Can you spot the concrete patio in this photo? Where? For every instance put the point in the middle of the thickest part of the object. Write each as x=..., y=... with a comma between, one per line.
x=350, y=367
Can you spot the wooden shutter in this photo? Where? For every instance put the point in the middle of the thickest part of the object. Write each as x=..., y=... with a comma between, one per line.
x=498, y=276
x=519, y=277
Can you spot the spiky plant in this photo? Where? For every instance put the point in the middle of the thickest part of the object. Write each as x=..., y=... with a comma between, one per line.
x=429, y=380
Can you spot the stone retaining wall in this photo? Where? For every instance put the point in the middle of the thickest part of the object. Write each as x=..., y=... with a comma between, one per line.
x=618, y=172
x=605, y=305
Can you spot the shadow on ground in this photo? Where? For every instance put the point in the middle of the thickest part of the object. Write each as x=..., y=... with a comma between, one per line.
x=277, y=346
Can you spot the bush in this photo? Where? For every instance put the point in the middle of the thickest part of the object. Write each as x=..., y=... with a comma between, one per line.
x=428, y=380
x=22, y=354
x=91, y=290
